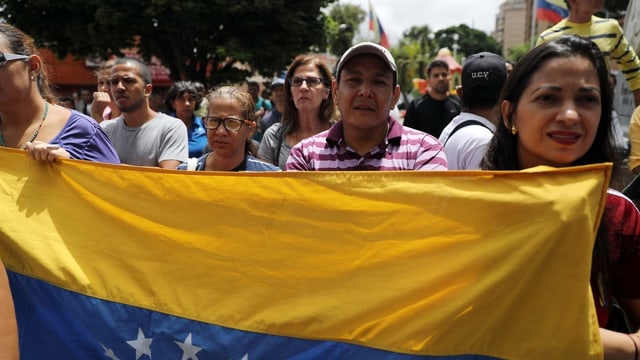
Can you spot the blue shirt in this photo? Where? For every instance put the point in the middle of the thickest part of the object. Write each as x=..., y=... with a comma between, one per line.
x=250, y=163
x=197, y=137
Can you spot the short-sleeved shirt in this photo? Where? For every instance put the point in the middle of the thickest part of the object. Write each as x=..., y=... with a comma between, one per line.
x=269, y=150
x=250, y=163
x=402, y=149
x=430, y=115
x=466, y=147
x=608, y=35
x=272, y=117
x=197, y=137
x=162, y=138
x=634, y=139
x=84, y=139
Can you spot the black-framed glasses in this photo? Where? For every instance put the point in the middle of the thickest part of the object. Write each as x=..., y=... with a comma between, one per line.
x=312, y=81
x=5, y=58
x=230, y=123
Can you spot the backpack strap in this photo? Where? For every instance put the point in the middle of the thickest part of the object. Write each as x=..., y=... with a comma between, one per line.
x=276, y=161
x=632, y=189
x=464, y=124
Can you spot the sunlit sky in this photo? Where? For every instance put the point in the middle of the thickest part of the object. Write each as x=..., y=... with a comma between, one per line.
x=397, y=16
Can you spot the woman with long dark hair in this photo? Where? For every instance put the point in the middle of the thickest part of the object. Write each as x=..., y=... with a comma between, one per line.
x=309, y=109
x=556, y=111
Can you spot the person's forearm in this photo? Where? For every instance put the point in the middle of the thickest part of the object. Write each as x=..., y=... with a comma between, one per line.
x=619, y=346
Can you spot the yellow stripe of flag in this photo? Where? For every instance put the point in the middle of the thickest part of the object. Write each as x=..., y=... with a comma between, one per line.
x=433, y=263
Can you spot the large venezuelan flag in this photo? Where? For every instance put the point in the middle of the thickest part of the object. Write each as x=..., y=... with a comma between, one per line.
x=118, y=262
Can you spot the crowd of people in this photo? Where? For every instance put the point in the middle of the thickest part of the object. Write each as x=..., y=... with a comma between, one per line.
x=552, y=107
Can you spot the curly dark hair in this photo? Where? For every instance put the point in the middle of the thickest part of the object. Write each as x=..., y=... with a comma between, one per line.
x=502, y=153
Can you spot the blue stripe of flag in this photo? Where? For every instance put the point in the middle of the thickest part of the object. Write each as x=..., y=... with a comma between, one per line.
x=59, y=324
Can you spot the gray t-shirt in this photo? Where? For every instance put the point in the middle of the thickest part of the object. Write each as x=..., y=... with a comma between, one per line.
x=269, y=147
x=162, y=138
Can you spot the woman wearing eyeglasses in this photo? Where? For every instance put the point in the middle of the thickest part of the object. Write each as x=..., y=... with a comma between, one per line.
x=309, y=109
x=230, y=123
x=29, y=118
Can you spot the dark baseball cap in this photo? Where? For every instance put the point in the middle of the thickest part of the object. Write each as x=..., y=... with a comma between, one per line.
x=483, y=75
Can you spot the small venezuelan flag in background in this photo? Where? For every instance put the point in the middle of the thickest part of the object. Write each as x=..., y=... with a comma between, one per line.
x=376, y=27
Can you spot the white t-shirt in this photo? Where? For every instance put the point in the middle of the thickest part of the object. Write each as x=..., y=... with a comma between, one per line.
x=467, y=146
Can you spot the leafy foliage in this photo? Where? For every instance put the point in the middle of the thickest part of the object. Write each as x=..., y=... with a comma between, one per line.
x=196, y=40
x=470, y=41
x=419, y=45
x=518, y=51
x=344, y=22
x=415, y=49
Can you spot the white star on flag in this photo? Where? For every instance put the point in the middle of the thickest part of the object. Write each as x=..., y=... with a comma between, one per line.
x=189, y=351
x=141, y=344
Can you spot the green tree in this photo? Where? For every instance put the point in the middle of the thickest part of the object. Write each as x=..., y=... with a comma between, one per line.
x=470, y=41
x=414, y=50
x=517, y=51
x=424, y=37
x=195, y=40
x=343, y=20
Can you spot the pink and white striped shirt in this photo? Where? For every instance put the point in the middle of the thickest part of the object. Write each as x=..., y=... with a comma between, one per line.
x=404, y=149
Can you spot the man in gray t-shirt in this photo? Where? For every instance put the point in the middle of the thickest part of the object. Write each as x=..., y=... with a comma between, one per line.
x=140, y=135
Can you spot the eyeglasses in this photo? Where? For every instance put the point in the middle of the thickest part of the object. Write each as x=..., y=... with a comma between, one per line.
x=5, y=58
x=230, y=123
x=312, y=81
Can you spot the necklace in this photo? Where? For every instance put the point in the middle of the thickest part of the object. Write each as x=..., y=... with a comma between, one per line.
x=35, y=134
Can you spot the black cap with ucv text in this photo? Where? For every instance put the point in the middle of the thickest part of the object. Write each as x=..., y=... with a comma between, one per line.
x=483, y=75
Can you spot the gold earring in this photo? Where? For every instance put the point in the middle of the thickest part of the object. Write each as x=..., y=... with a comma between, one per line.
x=514, y=129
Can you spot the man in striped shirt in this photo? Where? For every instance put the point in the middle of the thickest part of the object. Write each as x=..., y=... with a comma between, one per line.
x=606, y=33
x=367, y=138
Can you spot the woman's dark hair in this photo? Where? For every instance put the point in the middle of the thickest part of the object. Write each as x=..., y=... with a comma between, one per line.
x=502, y=153
x=23, y=44
x=177, y=90
x=327, y=109
x=246, y=103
